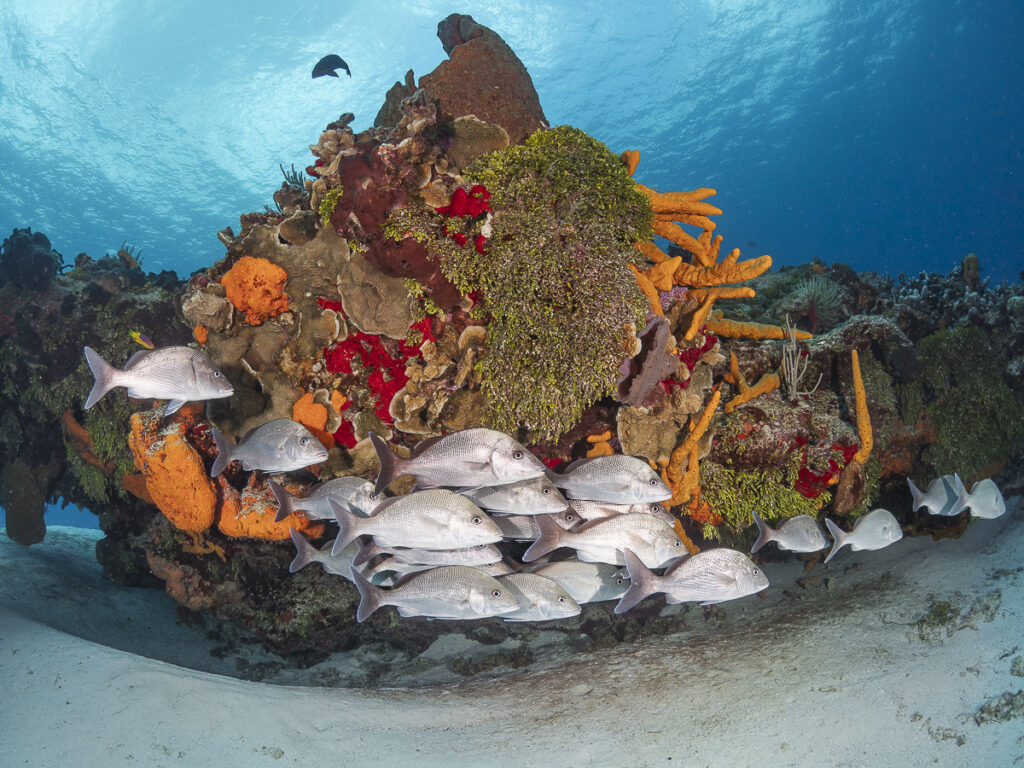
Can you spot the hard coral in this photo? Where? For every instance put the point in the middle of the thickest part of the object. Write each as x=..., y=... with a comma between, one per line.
x=255, y=286
x=175, y=476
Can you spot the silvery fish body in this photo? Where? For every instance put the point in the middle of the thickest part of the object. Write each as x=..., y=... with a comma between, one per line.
x=708, y=577
x=281, y=445
x=797, y=534
x=877, y=529
x=594, y=510
x=354, y=491
x=540, y=598
x=535, y=496
x=481, y=554
x=985, y=499
x=587, y=582
x=617, y=479
x=175, y=374
x=943, y=496
x=466, y=458
x=434, y=519
x=517, y=527
x=389, y=572
x=306, y=553
x=603, y=541
x=448, y=592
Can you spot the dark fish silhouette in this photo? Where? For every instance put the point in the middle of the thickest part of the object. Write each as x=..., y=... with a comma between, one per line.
x=328, y=64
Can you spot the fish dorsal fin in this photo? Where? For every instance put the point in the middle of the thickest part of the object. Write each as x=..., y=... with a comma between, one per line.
x=575, y=465
x=136, y=358
x=424, y=445
x=248, y=434
x=388, y=502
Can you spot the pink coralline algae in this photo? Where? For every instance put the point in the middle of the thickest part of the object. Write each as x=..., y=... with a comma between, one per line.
x=690, y=358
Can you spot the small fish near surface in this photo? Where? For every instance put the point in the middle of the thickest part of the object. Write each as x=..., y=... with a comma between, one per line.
x=540, y=598
x=536, y=496
x=354, y=491
x=708, y=577
x=281, y=445
x=468, y=457
x=176, y=374
x=587, y=582
x=432, y=519
x=603, y=541
x=876, y=530
x=943, y=496
x=797, y=534
x=448, y=592
x=617, y=479
x=328, y=64
x=985, y=499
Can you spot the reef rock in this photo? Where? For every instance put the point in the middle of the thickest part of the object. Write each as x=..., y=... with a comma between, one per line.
x=483, y=77
x=27, y=260
x=374, y=302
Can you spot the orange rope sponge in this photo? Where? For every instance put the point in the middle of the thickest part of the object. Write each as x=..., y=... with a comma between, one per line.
x=867, y=439
x=175, y=476
x=765, y=384
x=683, y=484
x=250, y=514
x=255, y=286
x=648, y=290
x=733, y=329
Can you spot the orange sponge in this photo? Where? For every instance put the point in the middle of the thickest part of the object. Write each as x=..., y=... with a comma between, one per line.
x=255, y=286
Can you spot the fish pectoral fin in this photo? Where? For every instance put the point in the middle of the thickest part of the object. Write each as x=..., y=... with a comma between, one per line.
x=476, y=601
x=173, y=406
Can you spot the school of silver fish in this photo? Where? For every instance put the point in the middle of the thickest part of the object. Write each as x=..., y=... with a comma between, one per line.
x=433, y=552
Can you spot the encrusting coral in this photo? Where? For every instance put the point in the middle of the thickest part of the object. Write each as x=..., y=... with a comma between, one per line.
x=255, y=286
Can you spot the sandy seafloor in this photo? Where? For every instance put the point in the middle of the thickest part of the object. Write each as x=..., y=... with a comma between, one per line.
x=882, y=659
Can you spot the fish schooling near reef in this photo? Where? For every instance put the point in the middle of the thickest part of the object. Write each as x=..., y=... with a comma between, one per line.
x=280, y=445
x=176, y=374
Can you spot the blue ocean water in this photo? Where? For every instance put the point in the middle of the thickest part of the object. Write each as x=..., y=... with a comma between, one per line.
x=885, y=135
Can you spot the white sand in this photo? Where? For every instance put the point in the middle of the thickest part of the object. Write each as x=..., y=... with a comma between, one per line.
x=838, y=674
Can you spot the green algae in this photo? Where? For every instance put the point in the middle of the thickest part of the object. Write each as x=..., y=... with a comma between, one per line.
x=733, y=494
x=978, y=418
x=552, y=278
x=329, y=203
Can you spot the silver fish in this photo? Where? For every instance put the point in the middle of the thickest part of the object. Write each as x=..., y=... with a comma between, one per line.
x=280, y=445
x=389, y=571
x=175, y=374
x=540, y=598
x=468, y=457
x=877, y=529
x=354, y=491
x=517, y=527
x=941, y=498
x=593, y=510
x=603, y=541
x=536, y=496
x=481, y=554
x=306, y=553
x=800, y=533
x=708, y=577
x=617, y=479
x=448, y=592
x=985, y=499
x=587, y=582
x=434, y=519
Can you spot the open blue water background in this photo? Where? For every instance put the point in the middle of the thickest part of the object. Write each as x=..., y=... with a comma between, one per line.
x=886, y=135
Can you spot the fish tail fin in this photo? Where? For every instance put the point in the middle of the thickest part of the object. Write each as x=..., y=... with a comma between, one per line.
x=224, y=450
x=549, y=539
x=764, y=533
x=285, y=501
x=390, y=464
x=961, y=492
x=641, y=582
x=103, y=372
x=367, y=552
x=916, y=493
x=370, y=597
x=348, y=526
x=305, y=553
x=838, y=534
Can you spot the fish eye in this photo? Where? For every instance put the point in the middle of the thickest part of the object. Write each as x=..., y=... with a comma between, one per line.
x=216, y=374
x=303, y=440
x=757, y=572
x=517, y=455
x=570, y=518
x=677, y=544
x=653, y=481
x=477, y=520
x=496, y=593
x=620, y=581
x=561, y=599
x=546, y=491
x=480, y=546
